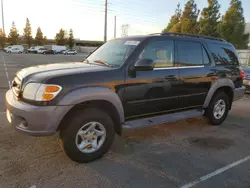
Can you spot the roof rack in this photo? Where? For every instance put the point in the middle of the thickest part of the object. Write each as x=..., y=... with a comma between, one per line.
x=189, y=35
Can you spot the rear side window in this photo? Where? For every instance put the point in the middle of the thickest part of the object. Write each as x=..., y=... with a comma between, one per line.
x=224, y=54
x=191, y=54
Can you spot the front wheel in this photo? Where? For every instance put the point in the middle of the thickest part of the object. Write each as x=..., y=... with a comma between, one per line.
x=218, y=108
x=88, y=135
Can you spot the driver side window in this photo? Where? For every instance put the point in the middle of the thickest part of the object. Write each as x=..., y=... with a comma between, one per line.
x=160, y=51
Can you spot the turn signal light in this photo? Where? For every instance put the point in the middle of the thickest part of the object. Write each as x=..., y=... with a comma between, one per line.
x=51, y=89
x=48, y=96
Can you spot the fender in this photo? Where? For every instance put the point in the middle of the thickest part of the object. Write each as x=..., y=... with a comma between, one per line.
x=222, y=82
x=93, y=93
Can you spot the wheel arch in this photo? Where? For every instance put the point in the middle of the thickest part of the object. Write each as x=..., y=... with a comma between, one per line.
x=97, y=97
x=226, y=85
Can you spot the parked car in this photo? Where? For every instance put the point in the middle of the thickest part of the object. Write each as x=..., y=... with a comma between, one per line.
x=6, y=49
x=56, y=48
x=72, y=52
x=246, y=81
x=61, y=52
x=126, y=83
x=49, y=52
x=15, y=49
x=41, y=50
x=34, y=49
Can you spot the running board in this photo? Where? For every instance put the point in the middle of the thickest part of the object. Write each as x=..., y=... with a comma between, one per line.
x=162, y=119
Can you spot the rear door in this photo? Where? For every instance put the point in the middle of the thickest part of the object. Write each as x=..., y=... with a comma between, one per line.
x=195, y=72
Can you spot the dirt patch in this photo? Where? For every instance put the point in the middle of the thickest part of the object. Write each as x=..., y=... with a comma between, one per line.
x=211, y=142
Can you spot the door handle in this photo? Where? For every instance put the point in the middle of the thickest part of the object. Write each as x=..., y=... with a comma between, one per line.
x=170, y=78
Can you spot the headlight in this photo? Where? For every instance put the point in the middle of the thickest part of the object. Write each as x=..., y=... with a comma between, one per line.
x=41, y=92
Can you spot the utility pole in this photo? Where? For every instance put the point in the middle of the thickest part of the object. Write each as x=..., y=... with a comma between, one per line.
x=105, y=21
x=115, y=28
x=2, y=16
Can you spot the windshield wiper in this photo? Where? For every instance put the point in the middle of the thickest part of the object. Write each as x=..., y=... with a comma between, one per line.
x=103, y=63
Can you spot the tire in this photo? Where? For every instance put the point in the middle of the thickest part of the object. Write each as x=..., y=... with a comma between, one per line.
x=213, y=119
x=77, y=120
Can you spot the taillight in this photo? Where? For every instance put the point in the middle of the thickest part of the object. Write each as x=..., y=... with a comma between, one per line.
x=242, y=74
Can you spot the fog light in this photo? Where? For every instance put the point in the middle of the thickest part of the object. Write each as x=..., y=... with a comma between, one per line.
x=8, y=114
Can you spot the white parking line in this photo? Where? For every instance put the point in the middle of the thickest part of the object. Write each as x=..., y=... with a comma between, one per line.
x=216, y=172
x=6, y=72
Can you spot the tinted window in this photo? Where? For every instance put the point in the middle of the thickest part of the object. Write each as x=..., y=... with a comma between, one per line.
x=224, y=54
x=161, y=52
x=189, y=53
x=206, y=59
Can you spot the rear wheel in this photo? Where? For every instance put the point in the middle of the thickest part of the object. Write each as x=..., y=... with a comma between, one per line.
x=88, y=135
x=218, y=108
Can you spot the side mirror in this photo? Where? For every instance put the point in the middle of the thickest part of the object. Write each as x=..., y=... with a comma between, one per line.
x=144, y=65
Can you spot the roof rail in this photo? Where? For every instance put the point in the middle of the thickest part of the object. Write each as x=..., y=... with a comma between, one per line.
x=190, y=35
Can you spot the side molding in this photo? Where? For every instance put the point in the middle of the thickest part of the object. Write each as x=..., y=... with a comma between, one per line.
x=93, y=93
x=217, y=84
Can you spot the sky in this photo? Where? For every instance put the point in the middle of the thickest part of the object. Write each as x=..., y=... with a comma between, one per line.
x=86, y=17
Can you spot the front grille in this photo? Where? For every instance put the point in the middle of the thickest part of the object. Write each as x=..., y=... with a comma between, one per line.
x=16, y=87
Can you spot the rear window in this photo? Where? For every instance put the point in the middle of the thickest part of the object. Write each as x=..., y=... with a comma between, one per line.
x=224, y=54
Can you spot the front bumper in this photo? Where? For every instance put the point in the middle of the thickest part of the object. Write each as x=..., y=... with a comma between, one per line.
x=239, y=93
x=33, y=120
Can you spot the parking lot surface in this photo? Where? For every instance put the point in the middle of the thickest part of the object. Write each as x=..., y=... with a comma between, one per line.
x=188, y=153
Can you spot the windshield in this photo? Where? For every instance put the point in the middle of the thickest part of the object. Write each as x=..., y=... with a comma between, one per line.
x=113, y=52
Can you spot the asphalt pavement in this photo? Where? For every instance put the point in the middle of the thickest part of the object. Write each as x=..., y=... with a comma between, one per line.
x=188, y=153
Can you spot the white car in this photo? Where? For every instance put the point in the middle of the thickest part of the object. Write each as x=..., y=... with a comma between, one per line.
x=73, y=52
x=15, y=49
x=41, y=50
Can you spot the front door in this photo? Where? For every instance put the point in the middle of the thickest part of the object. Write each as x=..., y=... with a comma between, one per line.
x=195, y=71
x=155, y=91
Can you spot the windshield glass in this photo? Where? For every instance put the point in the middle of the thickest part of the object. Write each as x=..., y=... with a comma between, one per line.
x=114, y=52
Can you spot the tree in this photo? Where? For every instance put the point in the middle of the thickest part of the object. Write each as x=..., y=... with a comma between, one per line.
x=39, y=39
x=232, y=25
x=61, y=37
x=174, y=20
x=13, y=34
x=71, y=39
x=2, y=38
x=27, y=33
x=189, y=18
x=44, y=40
x=209, y=19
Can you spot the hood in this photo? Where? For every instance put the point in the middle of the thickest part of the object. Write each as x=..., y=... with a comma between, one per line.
x=58, y=69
